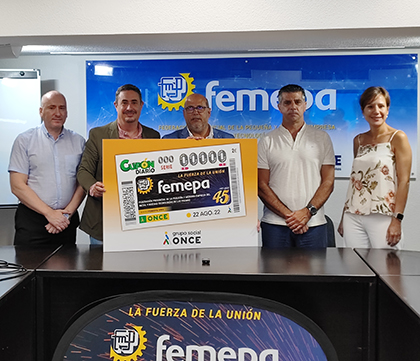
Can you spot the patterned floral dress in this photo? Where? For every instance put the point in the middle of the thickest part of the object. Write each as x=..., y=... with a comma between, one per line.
x=372, y=184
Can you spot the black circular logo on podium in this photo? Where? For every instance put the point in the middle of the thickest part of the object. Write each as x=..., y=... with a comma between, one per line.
x=193, y=326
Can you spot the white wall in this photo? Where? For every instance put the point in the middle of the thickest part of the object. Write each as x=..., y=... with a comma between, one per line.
x=94, y=17
x=67, y=74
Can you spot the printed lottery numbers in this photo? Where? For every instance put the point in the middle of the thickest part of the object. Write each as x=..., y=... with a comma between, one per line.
x=203, y=158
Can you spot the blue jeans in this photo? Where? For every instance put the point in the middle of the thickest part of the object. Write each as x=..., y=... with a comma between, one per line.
x=95, y=241
x=275, y=236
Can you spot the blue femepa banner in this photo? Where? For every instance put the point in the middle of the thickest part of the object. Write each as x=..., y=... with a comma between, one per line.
x=242, y=93
x=175, y=326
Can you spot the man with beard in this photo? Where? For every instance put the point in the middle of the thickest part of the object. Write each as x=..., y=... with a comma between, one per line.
x=128, y=103
x=196, y=114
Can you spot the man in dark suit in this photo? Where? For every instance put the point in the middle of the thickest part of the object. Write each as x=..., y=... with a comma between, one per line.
x=197, y=113
x=128, y=103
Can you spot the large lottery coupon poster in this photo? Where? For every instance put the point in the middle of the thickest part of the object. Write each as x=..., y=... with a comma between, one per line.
x=164, y=194
x=191, y=185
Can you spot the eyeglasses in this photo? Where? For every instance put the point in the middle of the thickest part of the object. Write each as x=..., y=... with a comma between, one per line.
x=199, y=109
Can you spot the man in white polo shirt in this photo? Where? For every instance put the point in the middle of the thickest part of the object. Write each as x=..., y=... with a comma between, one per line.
x=295, y=177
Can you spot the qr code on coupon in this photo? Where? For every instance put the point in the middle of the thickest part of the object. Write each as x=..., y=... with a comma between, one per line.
x=129, y=205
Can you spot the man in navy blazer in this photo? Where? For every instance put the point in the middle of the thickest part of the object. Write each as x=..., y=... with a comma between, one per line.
x=197, y=113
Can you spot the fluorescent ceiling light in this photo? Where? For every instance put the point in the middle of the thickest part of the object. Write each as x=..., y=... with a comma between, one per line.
x=103, y=70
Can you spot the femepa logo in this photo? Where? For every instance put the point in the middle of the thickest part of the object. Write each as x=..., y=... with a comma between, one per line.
x=127, y=344
x=146, y=166
x=145, y=185
x=173, y=90
x=207, y=352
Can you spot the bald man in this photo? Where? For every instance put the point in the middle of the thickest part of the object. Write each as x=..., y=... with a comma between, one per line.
x=43, y=166
x=196, y=114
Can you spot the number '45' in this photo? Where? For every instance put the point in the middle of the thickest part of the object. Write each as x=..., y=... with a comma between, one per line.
x=222, y=197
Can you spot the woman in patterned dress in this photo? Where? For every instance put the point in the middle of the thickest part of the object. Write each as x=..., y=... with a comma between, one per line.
x=379, y=180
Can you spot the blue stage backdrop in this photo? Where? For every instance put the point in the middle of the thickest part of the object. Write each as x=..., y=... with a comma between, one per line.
x=242, y=93
x=192, y=326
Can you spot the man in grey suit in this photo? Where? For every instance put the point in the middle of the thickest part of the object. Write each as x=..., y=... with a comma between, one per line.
x=196, y=114
x=128, y=103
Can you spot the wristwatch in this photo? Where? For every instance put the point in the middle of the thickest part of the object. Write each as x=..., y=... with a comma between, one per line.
x=312, y=209
x=399, y=216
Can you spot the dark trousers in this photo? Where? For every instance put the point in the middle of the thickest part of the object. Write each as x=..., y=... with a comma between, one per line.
x=30, y=229
x=275, y=236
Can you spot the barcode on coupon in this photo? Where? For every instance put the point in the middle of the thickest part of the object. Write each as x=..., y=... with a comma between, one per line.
x=235, y=187
x=129, y=203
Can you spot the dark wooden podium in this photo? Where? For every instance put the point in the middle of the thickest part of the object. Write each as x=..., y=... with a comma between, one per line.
x=398, y=321
x=18, y=301
x=366, y=301
x=333, y=287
